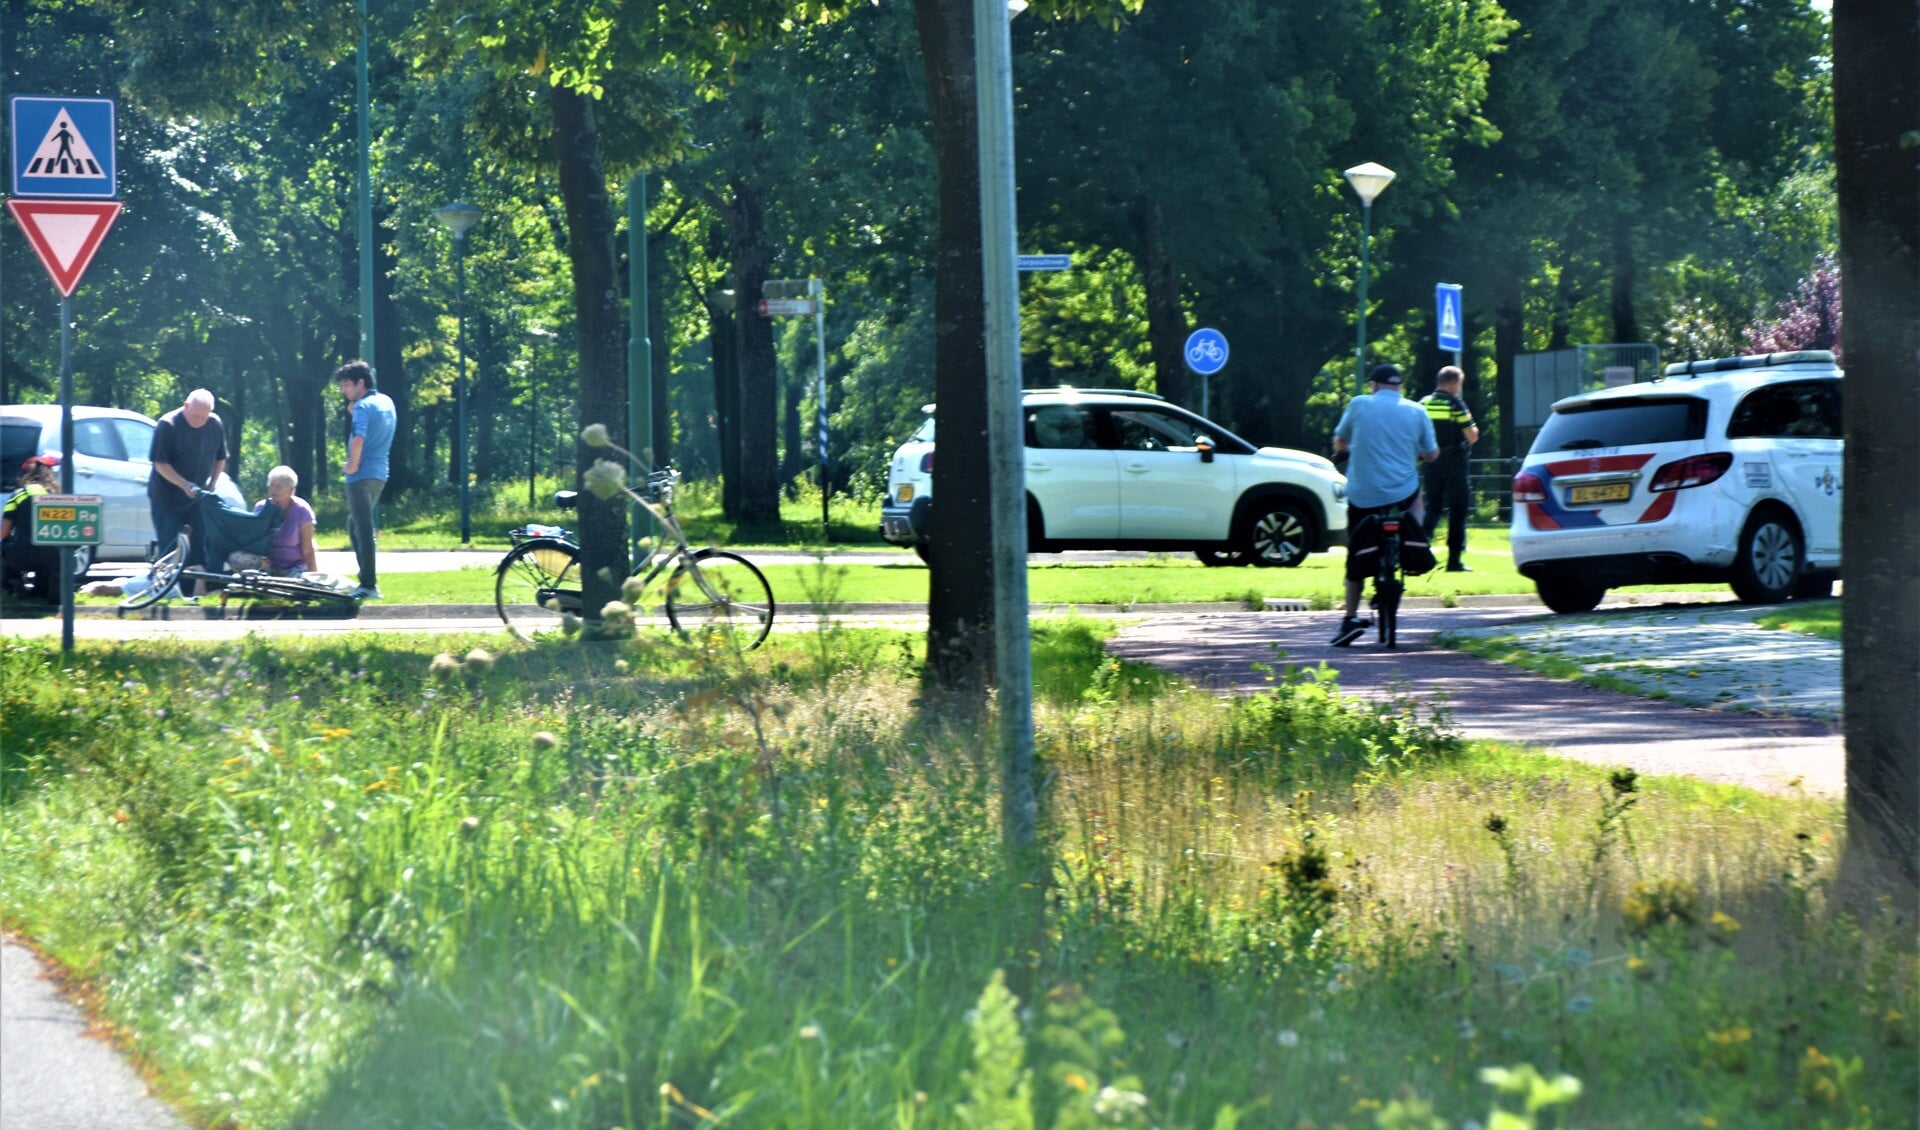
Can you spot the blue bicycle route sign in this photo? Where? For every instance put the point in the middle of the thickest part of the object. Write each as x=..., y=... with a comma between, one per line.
x=63, y=147
x=1206, y=351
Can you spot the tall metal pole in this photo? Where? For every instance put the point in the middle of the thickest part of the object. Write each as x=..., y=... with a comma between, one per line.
x=639, y=346
x=818, y=292
x=993, y=72
x=1360, y=323
x=460, y=393
x=365, y=194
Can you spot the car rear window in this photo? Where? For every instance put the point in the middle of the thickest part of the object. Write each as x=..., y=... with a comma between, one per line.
x=17, y=441
x=1624, y=423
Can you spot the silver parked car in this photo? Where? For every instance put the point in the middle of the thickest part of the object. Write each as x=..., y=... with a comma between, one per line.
x=110, y=459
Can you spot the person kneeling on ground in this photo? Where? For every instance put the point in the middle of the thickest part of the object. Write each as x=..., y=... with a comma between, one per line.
x=291, y=551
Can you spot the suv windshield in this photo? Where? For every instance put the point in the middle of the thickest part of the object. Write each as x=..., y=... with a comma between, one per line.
x=1624, y=423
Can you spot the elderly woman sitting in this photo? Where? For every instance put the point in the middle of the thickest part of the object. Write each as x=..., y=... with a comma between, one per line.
x=291, y=552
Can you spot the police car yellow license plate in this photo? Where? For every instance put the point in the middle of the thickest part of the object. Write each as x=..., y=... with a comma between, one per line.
x=1600, y=492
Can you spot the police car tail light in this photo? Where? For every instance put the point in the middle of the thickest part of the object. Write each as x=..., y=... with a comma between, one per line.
x=1528, y=487
x=1693, y=471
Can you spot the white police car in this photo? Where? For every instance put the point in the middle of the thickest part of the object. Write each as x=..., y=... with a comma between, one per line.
x=1117, y=469
x=1724, y=470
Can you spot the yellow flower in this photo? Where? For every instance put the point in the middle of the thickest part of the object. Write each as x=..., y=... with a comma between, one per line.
x=1078, y=1081
x=1814, y=1060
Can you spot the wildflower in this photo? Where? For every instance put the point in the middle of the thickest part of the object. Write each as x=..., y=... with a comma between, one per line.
x=544, y=740
x=621, y=666
x=1640, y=967
x=1114, y=1103
x=605, y=479
x=1077, y=1081
x=470, y=825
x=443, y=666
x=616, y=612
x=1722, y=927
x=631, y=588
x=595, y=435
x=810, y=1032
x=479, y=660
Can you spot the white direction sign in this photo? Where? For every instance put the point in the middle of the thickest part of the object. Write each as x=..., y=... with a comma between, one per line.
x=1446, y=298
x=63, y=147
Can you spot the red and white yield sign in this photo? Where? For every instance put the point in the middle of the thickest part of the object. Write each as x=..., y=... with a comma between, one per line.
x=65, y=234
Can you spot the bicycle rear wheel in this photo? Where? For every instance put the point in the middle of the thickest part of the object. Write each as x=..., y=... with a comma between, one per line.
x=538, y=583
x=162, y=575
x=715, y=593
x=1386, y=608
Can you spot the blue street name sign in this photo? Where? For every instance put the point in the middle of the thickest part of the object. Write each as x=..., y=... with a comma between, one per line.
x=63, y=147
x=1446, y=300
x=1044, y=262
x=1206, y=351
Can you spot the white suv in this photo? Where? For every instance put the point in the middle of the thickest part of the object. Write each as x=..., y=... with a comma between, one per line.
x=1108, y=469
x=1725, y=470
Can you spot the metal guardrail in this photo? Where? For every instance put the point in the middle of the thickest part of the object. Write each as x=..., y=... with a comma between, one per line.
x=1492, y=479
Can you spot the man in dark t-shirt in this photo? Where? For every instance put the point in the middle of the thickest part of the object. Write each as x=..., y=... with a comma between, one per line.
x=189, y=453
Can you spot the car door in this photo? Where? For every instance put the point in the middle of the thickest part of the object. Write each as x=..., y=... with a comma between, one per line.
x=1070, y=476
x=110, y=460
x=1169, y=491
x=1810, y=456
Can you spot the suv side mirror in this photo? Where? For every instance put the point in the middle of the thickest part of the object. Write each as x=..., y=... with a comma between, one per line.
x=1204, y=444
x=566, y=499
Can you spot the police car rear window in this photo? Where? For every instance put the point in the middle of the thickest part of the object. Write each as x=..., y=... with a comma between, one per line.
x=1624, y=423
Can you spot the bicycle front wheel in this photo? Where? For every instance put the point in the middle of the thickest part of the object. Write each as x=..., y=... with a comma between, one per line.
x=715, y=593
x=537, y=585
x=162, y=575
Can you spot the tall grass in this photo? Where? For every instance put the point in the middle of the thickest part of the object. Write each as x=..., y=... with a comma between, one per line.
x=347, y=883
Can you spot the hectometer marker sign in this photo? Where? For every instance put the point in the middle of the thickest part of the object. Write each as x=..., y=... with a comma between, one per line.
x=65, y=234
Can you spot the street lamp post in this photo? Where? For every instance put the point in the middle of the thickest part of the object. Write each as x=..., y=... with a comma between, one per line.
x=1368, y=180
x=458, y=218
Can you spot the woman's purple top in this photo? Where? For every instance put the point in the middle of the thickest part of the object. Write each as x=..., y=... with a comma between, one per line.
x=283, y=552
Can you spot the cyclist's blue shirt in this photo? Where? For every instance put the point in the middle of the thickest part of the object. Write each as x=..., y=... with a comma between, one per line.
x=1386, y=435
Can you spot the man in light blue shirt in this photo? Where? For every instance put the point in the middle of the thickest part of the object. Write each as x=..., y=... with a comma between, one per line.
x=368, y=446
x=1385, y=438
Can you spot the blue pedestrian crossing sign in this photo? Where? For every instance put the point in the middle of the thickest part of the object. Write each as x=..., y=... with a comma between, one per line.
x=1446, y=299
x=63, y=146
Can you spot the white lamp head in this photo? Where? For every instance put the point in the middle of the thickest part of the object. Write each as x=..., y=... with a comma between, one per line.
x=459, y=217
x=1369, y=180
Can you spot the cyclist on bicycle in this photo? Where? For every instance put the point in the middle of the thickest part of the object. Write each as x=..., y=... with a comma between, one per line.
x=1384, y=439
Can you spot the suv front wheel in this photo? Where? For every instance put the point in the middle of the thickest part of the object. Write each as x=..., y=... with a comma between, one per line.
x=1767, y=568
x=1276, y=533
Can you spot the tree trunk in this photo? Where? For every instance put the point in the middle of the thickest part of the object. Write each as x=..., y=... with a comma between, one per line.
x=1509, y=327
x=757, y=415
x=1626, y=328
x=1166, y=322
x=484, y=403
x=960, y=598
x=726, y=399
x=793, y=448
x=602, y=333
x=389, y=363
x=660, y=349
x=1876, y=99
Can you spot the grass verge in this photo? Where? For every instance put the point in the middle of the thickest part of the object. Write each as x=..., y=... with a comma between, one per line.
x=350, y=882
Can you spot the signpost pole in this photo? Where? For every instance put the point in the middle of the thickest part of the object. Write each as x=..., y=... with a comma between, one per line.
x=66, y=467
x=817, y=291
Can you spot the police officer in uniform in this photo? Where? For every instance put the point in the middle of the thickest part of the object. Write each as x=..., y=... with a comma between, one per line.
x=1449, y=491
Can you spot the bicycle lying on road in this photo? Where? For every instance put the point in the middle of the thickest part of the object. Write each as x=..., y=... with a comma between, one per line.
x=538, y=583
